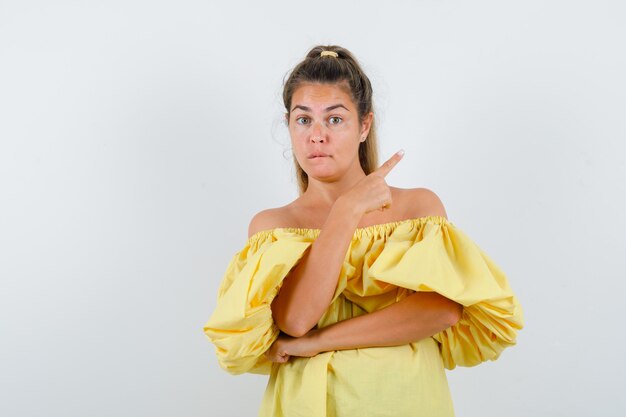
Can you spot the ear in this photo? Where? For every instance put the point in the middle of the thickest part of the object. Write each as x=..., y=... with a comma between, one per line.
x=366, y=124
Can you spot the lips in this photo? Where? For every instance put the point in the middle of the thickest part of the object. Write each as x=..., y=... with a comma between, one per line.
x=317, y=155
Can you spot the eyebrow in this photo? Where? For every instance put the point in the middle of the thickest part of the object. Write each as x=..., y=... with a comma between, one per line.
x=305, y=108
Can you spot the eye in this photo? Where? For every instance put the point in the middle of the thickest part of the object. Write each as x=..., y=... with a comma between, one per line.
x=338, y=119
x=300, y=118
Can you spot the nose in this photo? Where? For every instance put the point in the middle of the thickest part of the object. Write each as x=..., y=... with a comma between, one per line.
x=317, y=133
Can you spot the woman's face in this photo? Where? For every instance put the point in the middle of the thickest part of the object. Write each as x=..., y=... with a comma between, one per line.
x=325, y=130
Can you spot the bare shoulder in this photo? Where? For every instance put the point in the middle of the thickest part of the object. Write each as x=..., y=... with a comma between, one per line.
x=420, y=202
x=268, y=219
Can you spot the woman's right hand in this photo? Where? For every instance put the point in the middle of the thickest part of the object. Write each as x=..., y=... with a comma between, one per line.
x=372, y=192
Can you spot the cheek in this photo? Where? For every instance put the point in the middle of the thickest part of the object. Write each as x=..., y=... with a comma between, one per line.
x=296, y=144
x=298, y=150
x=349, y=145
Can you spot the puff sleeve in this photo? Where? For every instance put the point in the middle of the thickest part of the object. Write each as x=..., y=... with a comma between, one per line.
x=241, y=326
x=440, y=257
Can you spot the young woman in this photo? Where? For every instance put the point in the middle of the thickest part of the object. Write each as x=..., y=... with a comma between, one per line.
x=357, y=295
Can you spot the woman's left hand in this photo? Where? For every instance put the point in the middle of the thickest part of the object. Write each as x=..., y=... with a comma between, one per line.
x=286, y=346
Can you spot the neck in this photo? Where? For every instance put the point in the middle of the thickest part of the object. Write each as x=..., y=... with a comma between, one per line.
x=326, y=192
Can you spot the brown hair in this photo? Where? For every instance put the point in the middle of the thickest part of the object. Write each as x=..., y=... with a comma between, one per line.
x=344, y=69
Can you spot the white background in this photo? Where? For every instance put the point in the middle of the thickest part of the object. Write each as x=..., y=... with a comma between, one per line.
x=138, y=138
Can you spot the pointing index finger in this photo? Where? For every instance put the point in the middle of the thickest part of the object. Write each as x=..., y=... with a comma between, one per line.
x=385, y=168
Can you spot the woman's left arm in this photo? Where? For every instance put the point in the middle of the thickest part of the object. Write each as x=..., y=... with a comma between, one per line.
x=420, y=315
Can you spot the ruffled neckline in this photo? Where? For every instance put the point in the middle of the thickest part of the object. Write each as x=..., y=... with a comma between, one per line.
x=374, y=229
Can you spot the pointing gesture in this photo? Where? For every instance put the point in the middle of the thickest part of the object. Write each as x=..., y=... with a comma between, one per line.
x=372, y=192
x=385, y=168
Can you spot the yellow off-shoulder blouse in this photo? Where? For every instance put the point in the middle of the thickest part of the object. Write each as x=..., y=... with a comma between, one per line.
x=384, y=264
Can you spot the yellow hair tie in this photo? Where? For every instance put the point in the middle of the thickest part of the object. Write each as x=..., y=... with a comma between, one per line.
x=329, y=53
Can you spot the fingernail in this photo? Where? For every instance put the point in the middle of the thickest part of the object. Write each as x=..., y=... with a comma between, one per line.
x=401, y=152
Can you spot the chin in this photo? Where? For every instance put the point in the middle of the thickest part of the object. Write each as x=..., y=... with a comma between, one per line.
x=323, y=174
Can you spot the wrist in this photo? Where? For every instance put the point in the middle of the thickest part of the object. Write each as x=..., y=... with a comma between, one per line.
x=347, y=207
x=315, y=339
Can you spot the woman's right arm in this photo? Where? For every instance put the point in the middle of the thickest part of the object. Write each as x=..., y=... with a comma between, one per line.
x=307, y=291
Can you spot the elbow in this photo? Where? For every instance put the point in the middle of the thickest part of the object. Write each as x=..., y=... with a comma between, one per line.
x=292, y=329
x=447, y=312
x=287, y=323
x=453, y=314
x=297, y=331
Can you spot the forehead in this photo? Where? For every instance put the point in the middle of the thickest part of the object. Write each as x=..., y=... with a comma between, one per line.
x=317, y=94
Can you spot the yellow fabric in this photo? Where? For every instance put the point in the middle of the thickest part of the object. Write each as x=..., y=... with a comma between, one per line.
x=384, y=264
